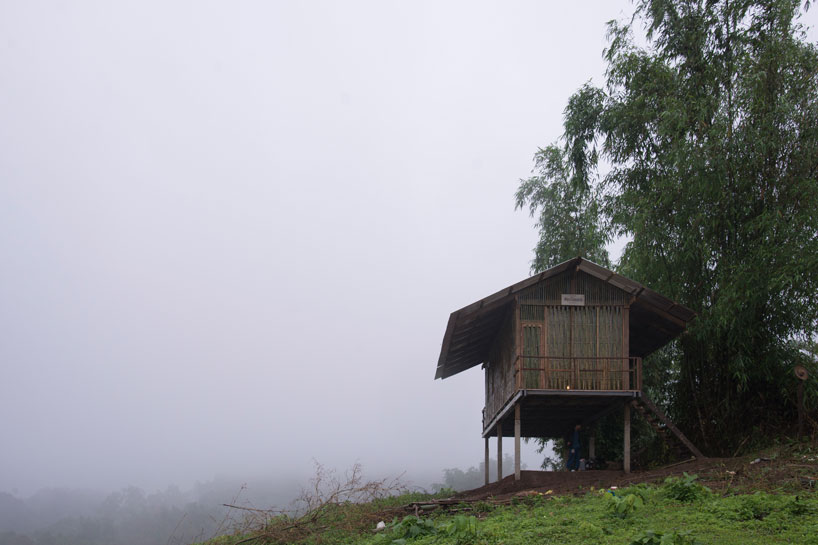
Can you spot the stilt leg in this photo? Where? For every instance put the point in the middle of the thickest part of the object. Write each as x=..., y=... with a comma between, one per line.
x=486, y=463
x=517, y=442
x=499, y=452
x=626, y=455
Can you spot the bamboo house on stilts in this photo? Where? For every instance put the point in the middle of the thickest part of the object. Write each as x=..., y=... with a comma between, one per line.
x=560, y=348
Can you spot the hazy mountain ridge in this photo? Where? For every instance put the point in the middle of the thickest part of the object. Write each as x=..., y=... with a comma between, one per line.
x=131, y=516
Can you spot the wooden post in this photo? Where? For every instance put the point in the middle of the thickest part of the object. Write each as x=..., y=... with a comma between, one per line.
x=499, y=452
x=519, y=347
x=626, y=455
x=625, y=347
x=544, y=360
x=517, y=441
x=571, y=362
x=599, y=384
x=486, y=463
x=801, y=411
x=592, y=447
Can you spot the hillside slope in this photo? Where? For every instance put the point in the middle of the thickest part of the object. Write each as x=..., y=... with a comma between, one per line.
x=769, y=497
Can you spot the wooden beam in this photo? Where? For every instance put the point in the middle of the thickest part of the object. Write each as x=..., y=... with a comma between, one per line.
x=592, y=446
x=517, y=442
x=663, y=417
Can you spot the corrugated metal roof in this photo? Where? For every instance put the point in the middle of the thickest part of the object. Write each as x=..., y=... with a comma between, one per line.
x=655, y=320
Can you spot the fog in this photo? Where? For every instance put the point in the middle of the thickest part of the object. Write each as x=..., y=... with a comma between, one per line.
x=233, y=232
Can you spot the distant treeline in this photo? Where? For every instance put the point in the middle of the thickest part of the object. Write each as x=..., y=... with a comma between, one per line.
x=475, y=476
x=60, y=516
x=132, y=517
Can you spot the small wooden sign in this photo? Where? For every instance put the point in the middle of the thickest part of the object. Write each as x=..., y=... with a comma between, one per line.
x=573, y=299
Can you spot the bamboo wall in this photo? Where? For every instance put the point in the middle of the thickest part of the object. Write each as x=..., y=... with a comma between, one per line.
x=500, y=367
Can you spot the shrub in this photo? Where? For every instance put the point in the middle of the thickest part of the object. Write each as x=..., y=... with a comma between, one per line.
x=409, y=528
x=622, y=506
x=462, y=528
x=760, y=505
x=651, y=537
x=684, y=489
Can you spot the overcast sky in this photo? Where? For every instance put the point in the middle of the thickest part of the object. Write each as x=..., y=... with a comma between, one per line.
x=232, y=232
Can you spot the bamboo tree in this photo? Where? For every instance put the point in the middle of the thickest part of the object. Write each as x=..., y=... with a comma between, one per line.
x=711, y=134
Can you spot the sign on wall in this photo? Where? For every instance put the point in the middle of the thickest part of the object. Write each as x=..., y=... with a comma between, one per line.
x=573, y=299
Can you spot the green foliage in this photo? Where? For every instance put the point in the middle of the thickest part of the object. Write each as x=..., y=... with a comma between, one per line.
x=651, y=537
x=411, y=527
x=532, y=500
x=482, y=507
x=643, y=490
x=568, y=212
x=758, y=519
x=709, y=141
x=590, y=530
x=460, y=529
x=622, y=506
x=760, y=505
x=685, y=489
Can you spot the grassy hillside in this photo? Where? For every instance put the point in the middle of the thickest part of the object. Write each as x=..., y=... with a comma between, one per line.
x=773, y=500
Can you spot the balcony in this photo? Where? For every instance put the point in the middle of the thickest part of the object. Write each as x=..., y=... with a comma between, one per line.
x=578, y=373
x=555, y=380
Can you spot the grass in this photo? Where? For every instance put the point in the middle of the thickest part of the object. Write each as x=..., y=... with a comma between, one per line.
x=763, y=504
x=760, y=518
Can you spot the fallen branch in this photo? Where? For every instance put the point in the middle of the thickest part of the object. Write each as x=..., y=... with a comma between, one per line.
x=264, y=511
x=692, y=458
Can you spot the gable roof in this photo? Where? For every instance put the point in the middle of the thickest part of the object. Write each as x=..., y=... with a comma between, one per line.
x=655, y=320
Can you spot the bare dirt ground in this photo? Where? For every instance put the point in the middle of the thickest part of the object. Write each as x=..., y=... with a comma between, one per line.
x=775, y=473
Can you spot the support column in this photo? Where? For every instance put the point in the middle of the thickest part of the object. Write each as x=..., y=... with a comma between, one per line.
x=592, y=447
x=626, y=455
x=801, y=412
x=517, y=442
x=499, y=452
x=486, y=463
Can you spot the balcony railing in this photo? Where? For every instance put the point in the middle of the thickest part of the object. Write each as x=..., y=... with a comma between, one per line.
x=568, y=374
x=578, y=373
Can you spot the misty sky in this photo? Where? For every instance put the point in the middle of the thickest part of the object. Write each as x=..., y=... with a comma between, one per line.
x=232, y=232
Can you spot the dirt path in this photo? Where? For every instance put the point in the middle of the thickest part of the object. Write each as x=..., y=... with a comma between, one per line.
x=716, y=473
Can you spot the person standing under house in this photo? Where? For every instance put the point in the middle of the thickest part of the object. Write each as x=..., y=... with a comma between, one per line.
x=573, y=450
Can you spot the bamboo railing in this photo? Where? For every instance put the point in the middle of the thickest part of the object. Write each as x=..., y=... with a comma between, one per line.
x=578, y=373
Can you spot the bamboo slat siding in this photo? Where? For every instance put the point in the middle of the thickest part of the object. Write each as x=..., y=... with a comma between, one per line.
x=500, y=367
x=596, y=291
x=545, y=345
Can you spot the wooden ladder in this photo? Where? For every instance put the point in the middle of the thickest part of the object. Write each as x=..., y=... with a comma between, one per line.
x=662, y=424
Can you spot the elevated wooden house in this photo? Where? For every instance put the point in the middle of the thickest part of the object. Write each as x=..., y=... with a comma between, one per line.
x=560, y=348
